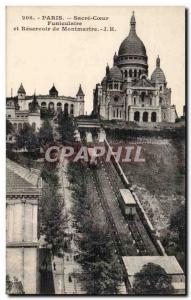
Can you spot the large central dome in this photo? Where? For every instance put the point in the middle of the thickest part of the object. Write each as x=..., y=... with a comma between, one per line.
x=132, y=45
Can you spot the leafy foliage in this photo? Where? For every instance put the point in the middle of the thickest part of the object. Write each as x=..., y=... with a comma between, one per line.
x=53, y=222
x=66, y=128
x=152, y=279
x=27, y=138
x=101, y=271
x=174, y=241
x=13, y=286
x=9, y=127
x=45, y=134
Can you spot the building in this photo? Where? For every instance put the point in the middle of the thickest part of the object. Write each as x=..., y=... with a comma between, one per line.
x=27, y=109
x=22, y=197
x=134, y=264
x=126, y=93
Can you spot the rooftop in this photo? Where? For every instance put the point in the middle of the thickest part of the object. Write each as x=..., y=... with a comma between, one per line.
x=127, y=196
x=20, y=179
x=134, y=264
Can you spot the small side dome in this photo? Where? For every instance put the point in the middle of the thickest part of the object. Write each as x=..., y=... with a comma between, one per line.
x=115, y=74
x=104, y=82
x=158, y=74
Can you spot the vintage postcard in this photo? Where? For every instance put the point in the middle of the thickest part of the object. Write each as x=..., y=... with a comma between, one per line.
x=95, y=150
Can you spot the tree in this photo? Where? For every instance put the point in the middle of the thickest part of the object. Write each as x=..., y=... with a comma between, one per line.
x=53, y=222
x=101, y=271
x=9, y=127
x=13, y=286
x=152, y=279
x=54, y=225
x=66, y=128
x=174, y=241
x=45, y=134
x=27, y=138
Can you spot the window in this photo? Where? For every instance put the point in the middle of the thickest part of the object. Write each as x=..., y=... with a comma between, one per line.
x=110, y=86
x=145, y=116
x=130, y=73
x=66, y=109
x=136, y=116
x=153, y=116
x=143, y=97
x=114, y=113
x=116, y=86
x=135, y=73
x=116, y=98
x=72, y=109
x=117, y=112
x=125, y=73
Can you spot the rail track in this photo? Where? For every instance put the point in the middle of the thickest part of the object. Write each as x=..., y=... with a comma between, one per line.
x=133, y=227
x=118, y=244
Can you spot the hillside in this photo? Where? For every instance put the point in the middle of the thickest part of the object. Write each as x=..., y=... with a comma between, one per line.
x=160, y=180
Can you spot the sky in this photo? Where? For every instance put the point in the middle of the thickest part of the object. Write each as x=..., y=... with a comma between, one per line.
x=40, y=58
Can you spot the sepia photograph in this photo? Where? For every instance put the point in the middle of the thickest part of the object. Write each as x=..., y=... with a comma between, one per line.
x=96, y=150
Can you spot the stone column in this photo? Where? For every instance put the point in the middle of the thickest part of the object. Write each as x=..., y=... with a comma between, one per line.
x=149, y=116
x=141, y=116
x=131, y=114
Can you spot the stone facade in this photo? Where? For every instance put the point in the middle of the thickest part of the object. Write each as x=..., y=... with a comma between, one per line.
x=20, y=109
x=126, y=93
x=23, y=192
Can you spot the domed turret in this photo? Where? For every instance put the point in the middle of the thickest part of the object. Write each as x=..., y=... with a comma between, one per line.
x=158, y=74
x=132, y=53
x=115, y=74
x=132, y=44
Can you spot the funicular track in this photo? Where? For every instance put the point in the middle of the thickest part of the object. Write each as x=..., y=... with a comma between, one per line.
x=132, y=223
x=111, y=224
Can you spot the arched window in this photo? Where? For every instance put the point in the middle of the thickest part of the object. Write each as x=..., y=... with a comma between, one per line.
x=130, y=73
x=29, y=106
x=135, y=73
x=139, y=73
x=153, y=116
x=43, y=104
x=51, y=106
x=161, y=88
x=20, y=126
x=72, y=109
x=15, y=125
x=143, y=96
x=145, y=116
x=66, y=109
x=125, y=73
x=117, y=112
x=150, y=101
x=59, y=106
x=136, y=116
x=134, y=100
x=116, y=98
